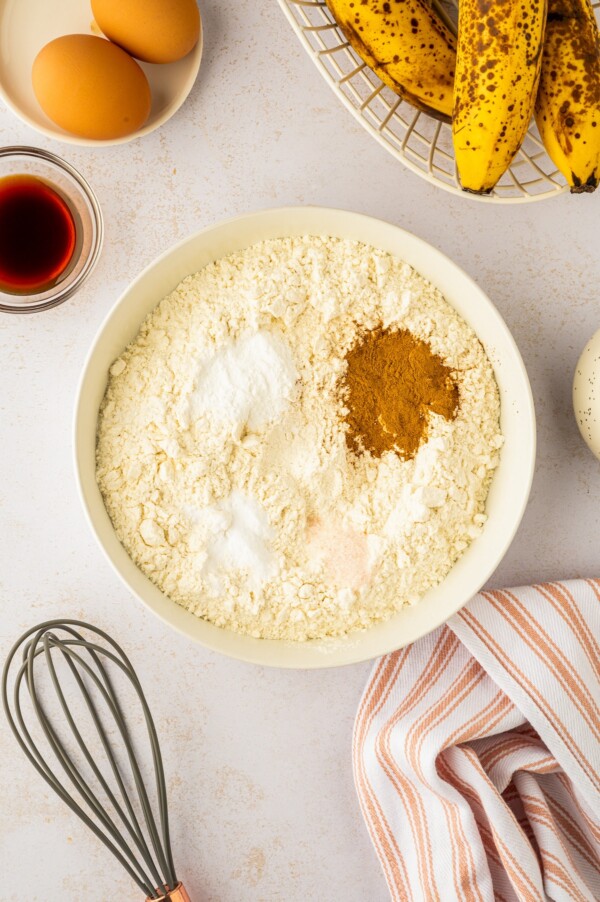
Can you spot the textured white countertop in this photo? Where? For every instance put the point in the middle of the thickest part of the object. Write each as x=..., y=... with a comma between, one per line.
x=261, y=794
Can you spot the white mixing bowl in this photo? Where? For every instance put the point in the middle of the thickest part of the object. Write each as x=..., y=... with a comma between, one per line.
x=510, y=485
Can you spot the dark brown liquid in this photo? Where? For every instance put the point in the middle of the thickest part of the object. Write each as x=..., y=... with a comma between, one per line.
x=37, y=235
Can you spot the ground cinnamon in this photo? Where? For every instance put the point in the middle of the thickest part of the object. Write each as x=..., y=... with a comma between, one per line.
x=393, y=382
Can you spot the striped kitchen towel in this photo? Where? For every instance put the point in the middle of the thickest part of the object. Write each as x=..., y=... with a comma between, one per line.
x=477, y=752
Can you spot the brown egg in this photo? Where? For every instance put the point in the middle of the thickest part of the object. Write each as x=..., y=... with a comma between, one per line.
x=156, y=31
x=91, y=87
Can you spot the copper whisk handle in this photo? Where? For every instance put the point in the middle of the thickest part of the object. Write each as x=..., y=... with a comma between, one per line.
x=178, y=894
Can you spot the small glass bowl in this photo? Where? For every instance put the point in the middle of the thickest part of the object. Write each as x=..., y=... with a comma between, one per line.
x=61, y=176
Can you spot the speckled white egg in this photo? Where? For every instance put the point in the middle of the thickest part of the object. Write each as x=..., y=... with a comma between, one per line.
x=586, y=393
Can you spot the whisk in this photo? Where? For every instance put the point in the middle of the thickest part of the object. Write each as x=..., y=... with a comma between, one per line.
x=120, y=815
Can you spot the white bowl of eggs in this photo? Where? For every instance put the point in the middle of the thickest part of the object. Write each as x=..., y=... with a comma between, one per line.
x=97, y=72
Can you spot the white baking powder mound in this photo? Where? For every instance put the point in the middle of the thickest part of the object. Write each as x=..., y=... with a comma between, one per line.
x=247, y=382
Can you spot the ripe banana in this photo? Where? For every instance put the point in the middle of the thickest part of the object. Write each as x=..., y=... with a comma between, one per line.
x=567, y=109
x=407, y=45
x=498, y=63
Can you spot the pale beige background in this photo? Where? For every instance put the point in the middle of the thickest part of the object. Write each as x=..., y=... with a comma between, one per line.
x=262, y=800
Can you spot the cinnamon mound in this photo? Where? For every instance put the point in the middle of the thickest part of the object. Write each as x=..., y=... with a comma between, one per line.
x=392, y=384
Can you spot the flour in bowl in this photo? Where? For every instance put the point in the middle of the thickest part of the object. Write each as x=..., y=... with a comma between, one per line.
x=224, y=457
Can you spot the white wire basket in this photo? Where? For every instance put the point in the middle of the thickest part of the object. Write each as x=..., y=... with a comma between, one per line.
x=422, y=143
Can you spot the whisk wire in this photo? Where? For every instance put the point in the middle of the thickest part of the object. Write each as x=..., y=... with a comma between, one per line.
x=133, y=828
x=162, y=850
x=32, y=753
x=140, y=786
x=73, y=649
x=126, y=667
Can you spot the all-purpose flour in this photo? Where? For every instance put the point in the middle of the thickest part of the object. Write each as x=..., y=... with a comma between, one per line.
x=221, y=451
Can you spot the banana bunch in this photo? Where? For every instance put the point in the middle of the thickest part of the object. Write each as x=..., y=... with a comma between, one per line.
x=567, y=109
x=407, y=45
x=512, y=58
